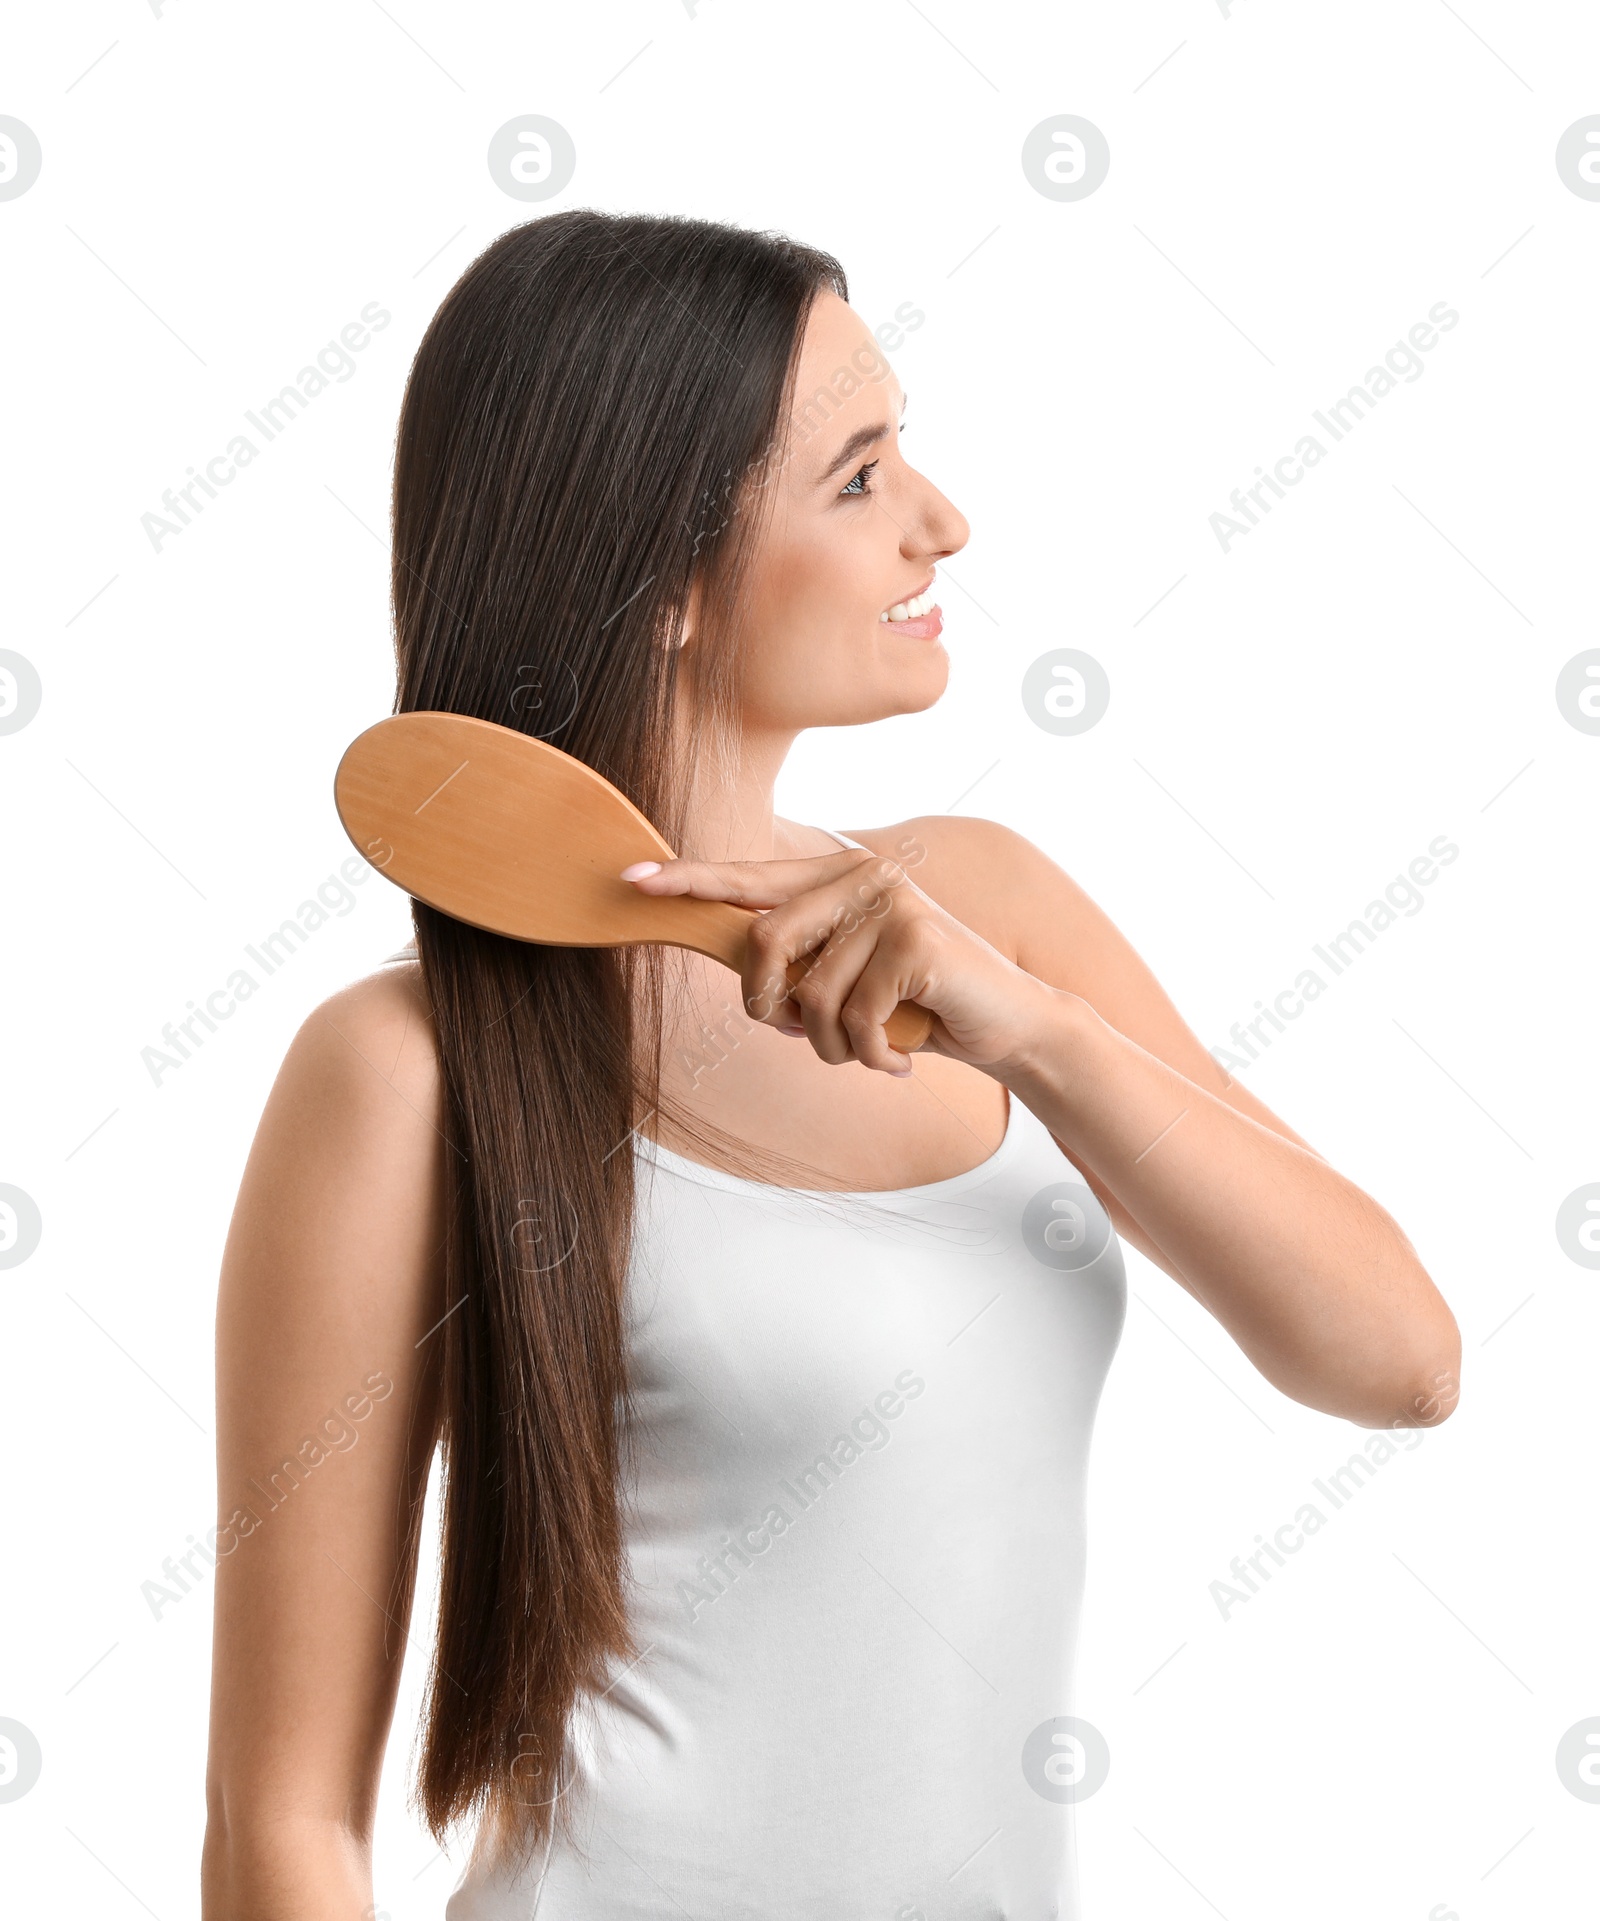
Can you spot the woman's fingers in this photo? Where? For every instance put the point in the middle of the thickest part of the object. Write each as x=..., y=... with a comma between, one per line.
x=754, y=883
x=844, y=991
x=871, y=1001
x=810, y=958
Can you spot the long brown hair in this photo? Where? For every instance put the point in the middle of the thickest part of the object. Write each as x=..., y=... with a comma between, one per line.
x=588, y=419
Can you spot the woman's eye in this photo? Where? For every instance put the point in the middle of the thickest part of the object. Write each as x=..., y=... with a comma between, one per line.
x=859, y=483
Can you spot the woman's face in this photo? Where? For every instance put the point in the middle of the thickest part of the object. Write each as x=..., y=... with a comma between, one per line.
x=853, y=534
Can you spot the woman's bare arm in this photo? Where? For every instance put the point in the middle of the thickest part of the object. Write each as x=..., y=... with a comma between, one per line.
x=1312, y=1277
x=331, y=1283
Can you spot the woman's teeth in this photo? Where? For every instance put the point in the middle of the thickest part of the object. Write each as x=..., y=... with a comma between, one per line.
x=912, y=609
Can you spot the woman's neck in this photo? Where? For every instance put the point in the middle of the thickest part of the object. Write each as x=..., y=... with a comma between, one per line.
x=733, y=819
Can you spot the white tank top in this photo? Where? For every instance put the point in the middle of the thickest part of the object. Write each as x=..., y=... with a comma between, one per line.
x=856, y=1544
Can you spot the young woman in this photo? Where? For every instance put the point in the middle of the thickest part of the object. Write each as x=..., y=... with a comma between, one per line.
x=762, y=1358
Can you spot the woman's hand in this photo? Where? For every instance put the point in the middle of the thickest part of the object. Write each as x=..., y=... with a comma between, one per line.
x=872, y=939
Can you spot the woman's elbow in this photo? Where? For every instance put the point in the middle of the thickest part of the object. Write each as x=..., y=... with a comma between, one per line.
x=1427, y=1389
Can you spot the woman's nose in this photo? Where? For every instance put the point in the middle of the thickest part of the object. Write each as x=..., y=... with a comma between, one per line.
x=939, y=529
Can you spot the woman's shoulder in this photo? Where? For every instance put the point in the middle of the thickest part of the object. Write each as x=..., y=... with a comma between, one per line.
x=979, y=870
x=955, y=841
x=391, y=995
x=338, y=1218
x=369, y=1048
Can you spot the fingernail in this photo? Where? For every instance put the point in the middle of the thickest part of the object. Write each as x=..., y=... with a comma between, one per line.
x=640, y=870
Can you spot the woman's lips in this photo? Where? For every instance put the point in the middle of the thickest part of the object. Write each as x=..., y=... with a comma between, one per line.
x=926, y=626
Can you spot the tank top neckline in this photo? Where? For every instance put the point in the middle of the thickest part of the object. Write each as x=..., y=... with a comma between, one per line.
x=1010, y=1145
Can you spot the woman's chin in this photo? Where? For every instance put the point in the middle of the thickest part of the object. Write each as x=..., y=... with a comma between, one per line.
x=929, y=696
x=877, y=691
x=914, y=688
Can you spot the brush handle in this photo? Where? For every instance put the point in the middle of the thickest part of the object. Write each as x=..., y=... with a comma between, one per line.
x=721, y=932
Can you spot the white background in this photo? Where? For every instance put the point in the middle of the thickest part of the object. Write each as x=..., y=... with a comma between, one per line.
x=1375, y=665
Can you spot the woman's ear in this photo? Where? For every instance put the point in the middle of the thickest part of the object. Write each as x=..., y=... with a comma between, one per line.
x=690, y=621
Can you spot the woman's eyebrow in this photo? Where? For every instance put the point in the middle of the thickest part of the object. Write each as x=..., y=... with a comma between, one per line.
x=858, y=443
